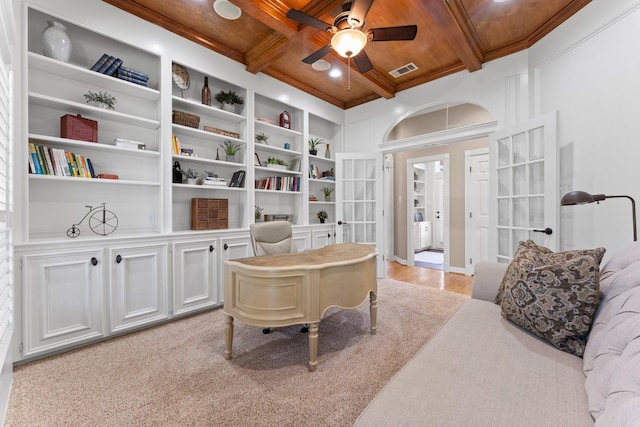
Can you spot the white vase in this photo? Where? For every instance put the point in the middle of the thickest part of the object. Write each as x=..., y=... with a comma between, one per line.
x=229, y=107
x=55, y=42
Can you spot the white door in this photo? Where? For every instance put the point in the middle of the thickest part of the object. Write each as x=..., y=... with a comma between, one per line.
x=524, y=189
x=477, y=208
x=195, y=268
x=439, y=210
x=359, y=201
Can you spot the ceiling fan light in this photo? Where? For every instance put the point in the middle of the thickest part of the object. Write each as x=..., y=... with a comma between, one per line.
x=226, y=9
x=348, y=42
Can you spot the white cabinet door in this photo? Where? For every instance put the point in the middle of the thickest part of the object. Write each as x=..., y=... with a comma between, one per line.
x=195, y=270
x=138, y=286
x=323, y=237
x=62, y=300
x=232, y=248
x=302, y=240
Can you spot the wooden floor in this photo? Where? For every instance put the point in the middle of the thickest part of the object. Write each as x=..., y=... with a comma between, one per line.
x=429, y=277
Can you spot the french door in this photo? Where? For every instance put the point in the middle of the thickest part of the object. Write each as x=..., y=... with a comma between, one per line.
x=524, y=188
x=359, y=201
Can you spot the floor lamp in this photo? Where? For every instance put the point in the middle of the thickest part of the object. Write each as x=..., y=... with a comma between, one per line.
x=581, y=198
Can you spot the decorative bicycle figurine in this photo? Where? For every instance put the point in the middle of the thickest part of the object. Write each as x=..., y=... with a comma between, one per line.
x=101, y=221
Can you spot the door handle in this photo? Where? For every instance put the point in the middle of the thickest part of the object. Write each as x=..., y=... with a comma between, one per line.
x=546, y=231
x=342, y=222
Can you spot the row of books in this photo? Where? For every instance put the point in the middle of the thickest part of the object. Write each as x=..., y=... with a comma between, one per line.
x=55, y=161
x=279, y=183
x=314, y=172
x=237, y=180
x=112, y=66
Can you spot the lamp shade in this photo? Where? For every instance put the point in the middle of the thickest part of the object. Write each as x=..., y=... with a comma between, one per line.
x=348, y=42
x=580, y=198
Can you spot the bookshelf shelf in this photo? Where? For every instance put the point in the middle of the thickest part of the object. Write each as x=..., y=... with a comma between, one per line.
x=213, y=112
x=92, y=181
x=74, y=144
x=274, y=129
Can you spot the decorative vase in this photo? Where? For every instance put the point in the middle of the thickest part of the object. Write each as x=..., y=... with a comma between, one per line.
x=327, y=198
x=327, y=153
x=191, y=181
x=313, y=152
x=100, y=105
x=206, y=92
x=55, y=42
x=229, y=107
x=321, y=220
x=231, y=157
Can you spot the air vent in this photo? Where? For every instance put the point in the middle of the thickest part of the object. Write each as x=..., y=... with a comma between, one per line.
x=403, y=70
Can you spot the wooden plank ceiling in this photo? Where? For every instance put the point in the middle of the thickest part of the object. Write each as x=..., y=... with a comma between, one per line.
x=453, y=35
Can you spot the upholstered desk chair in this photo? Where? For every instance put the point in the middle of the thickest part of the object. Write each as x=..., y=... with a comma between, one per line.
x=273, y=238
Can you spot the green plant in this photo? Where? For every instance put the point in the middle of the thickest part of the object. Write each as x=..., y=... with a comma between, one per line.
x=230, y=97
x=101, y=97
x=262, y=138
x=314, y=142
x=230, y=148
x=322, y=215
x=190, y=173
x=326, y=191
x=258, y=212
x=277, y=161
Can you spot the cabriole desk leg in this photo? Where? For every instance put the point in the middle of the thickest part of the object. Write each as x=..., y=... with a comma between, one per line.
x=313, y=346
x=228, y=336
x=373, y=312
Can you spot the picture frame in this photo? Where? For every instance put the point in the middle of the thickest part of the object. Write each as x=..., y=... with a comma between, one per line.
x=257, y=161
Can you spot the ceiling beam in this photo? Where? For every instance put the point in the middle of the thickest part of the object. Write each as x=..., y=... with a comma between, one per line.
x=457, y=29
x=272, y=13
x=161, y=20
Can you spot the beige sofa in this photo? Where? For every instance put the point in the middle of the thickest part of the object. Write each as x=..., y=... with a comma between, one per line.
x=482, y=370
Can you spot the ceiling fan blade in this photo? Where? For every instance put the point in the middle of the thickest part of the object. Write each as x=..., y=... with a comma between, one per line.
x=363, y=62
x=318, y=54
x=309, y=20
x=406, y=32
x=358, y=12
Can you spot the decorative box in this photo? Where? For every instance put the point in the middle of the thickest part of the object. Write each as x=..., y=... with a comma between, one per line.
x=185, y=119
x=222, y=132
x=78, y=128
x=209, y=214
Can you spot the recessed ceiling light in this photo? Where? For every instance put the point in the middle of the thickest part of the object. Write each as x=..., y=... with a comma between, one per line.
x=226, y=9
x=335, y=73
x=321, y=65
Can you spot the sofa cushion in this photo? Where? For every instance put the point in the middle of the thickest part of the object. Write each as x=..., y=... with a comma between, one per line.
x=482, y=370
x=612, y=354
x=556, y=302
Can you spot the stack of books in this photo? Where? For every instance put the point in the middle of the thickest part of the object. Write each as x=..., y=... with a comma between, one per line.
x=112, y=66
x=237, y=180
x=55, y=161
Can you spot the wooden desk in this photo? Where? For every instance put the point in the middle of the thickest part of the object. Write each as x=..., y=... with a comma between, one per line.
x=289, y=289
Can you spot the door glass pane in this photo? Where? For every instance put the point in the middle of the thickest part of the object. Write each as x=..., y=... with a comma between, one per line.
x=503, y=153
x=519, y=147
x=358, y=188
x=503, y=212
x=358, y=169
x=371, y=190
x=347, y=211
x=371, y=233
x=347, y=166
x=536, y=212
x=359, y=235
x=536, y=178
x=503, y=182
x=520, y=213
x=370, y=209
x=504, y=248
x=359, y=212
x=520, y=180
x=370, y=172
x=518, y=236
x=346, y=232
x=536, y=145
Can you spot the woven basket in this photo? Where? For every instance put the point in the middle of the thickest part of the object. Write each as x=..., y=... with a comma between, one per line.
x=185, y=119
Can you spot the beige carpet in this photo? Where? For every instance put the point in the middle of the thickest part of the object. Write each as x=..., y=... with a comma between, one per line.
x=176, y=375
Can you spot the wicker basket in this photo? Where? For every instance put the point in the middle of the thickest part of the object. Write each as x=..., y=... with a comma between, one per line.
x=185, y=119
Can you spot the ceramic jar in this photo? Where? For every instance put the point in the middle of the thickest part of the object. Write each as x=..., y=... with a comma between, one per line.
x=55, y=42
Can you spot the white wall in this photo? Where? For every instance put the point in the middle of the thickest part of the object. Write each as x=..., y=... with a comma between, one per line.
x=588, y=69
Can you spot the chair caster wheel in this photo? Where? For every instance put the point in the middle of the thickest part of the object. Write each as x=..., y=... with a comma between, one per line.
x=266, y=330
x=305, y=329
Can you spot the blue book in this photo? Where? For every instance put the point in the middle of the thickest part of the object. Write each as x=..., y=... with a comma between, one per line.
x=106, y=64
x=100, y=62
x=113, y=67
x=133, y=73
x=131, y=79
x=90, y=166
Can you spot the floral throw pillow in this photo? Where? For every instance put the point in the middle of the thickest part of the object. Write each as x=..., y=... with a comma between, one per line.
x=557, y=300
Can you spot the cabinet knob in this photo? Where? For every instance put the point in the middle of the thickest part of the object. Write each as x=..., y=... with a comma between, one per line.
x=94, y=261
x=226, y=246
x=329, y=235
x=211, y=248
x=118, y=259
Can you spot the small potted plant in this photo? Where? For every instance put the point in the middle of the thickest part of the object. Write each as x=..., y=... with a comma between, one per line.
x=101, y=99
x=313, y=145
x=191, y=175
x=322, y=216
x=261, y=138
x=327, y=193
x=228, y=100
x=276, y=163
x=258, y=212
x=230, y=150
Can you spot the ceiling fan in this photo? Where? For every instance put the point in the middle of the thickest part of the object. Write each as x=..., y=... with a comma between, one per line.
x=349, y=37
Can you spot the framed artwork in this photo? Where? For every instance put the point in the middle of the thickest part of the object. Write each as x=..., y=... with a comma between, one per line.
x=257, y=160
